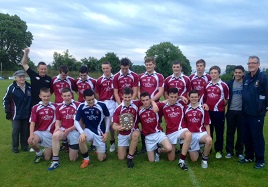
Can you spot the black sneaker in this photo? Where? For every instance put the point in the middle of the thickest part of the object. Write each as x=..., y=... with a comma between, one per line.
x=38, y=159
x=92, y=148
x=259, y=165
x=245, y=160
x=130, y=163
x=15, y=150
x=183, y=166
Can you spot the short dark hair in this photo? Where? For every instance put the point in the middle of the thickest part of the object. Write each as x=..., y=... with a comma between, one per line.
x=216, y=68
x=45, y=90
x=144, y=94
x=193, y=91
x=83, y=69
x=127, y=90
x=41, y=63
x=63, y=69
x=125, y=62
x=106, y=62
x=240, y=67
x=176, y=62
x=64, y=90
x=173, y=90
x=149, y=59
x=88, y=92
x=201, y=61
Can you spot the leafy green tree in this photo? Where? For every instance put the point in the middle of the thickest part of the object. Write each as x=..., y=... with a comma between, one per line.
x=230, y=69
x=14, y=37
x=92, y=63
x=65, y=59
x=165, y=54
x=31, y=64
x=138, y=68
x=113, y=59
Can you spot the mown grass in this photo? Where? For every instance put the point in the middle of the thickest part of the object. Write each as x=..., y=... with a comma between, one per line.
x=19, y=170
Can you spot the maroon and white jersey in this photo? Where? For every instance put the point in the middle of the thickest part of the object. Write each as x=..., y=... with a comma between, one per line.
x=150, y=121
x=104, y=87
x=196, y=118
x=151, y=82
x=44, y=117
x=131, y=109
x=89, y=83
x=57, y=85
x=65, y=113
x=199, y=83
x=215, y=94
x=182, y=83
x=173, y=115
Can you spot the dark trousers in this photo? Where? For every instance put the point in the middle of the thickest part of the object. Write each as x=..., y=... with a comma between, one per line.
x=217, y=123
x=234, y=122
x=253, y=138
x=20, y=133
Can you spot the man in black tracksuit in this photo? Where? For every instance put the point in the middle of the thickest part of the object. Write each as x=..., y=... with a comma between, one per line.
x=255, y=103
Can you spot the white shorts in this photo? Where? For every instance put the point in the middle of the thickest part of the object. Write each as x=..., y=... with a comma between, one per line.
x=111, y=105
x=174, y=137
x=45, y=138
x=152, y=140
x=72, y=137
x=123, y=140
x=195, y=143
x=97, y=140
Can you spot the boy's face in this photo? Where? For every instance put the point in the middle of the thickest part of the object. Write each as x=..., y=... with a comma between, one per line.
x=176, y=68
x=83, y=76
x=214, y=74
x=238, y=74
x=149, y=67
x=194, y=97
x=45, y=97
x=200, y=68
x=63, y=75
x=106, y=69
x=67, y=97
x=146, y=101
x=127, y=99
x=90, y=100
x=124, y=69
x=172, y=98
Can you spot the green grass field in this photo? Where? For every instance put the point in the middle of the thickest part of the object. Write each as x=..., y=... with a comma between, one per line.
x=19, y=170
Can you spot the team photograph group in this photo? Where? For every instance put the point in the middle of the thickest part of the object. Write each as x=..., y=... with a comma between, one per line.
x=195, y=117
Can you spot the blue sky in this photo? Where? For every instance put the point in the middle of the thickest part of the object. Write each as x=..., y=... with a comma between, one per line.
x=220, y=31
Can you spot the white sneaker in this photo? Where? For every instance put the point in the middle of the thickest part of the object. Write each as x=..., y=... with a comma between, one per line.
x=218, y=155
x=229, y=155
x=240, y=157
x=31, y=150
x=204, y=164
x=112, y=148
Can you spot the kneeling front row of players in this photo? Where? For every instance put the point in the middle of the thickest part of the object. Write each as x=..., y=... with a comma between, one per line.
x=80, y=123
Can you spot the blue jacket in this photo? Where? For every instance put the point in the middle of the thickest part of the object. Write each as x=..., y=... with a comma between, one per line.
x=255, y=94
x=17, y=102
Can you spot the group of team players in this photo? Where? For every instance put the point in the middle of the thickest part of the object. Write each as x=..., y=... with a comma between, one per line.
x=193, y=107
